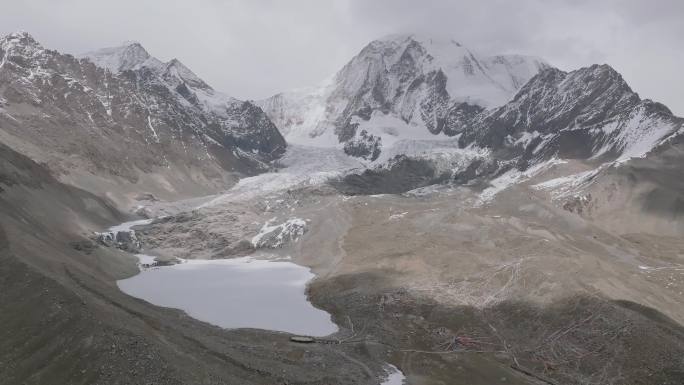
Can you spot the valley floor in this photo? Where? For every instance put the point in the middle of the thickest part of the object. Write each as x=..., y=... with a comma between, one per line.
x=451, y=290
x=448, y=288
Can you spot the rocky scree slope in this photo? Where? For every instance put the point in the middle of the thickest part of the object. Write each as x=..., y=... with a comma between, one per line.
x=643, y=195
x=120, y=113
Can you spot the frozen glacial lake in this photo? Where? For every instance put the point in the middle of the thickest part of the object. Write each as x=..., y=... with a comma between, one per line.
x=234, y=293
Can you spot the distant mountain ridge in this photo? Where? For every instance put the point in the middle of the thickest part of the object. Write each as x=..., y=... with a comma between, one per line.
x=119, y=112
x=414, y=96
x=123, y=113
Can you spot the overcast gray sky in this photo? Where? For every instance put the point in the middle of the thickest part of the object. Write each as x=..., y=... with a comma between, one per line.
x=254, y=48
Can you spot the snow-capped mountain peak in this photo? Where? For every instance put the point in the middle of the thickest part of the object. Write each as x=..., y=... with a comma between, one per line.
x=399, y=87
x=131, y=107
x=174, y=68
x=131, y=55
x=433, y=98
x=174, y=75
x=19, y=45
x=19, y=38
x=480, y=80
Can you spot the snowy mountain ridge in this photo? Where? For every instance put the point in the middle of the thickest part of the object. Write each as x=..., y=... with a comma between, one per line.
x=129, y=56
x=132, y=56
x=398, y=87
x=120, y=111
x=403, y=97
x=408, y=98
x=487, y=81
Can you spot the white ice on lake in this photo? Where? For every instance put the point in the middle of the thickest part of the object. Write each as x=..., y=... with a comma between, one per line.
x=394, y=376
x=126, y=226
x=144, y=259
x=235, y=293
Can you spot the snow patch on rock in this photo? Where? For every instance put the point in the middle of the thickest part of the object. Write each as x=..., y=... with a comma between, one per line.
x=276, y=236
x=569, y=185
x=513, y=177
x=394, y=376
